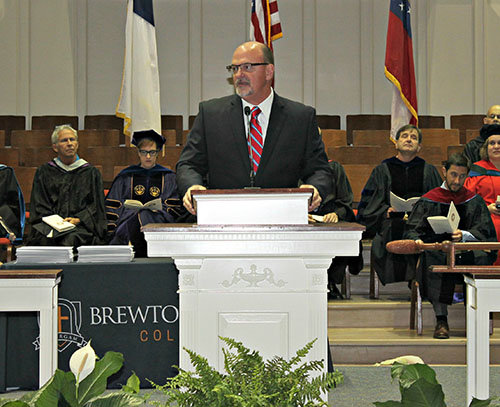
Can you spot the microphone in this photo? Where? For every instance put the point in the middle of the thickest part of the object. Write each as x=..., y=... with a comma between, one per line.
x=250, y=152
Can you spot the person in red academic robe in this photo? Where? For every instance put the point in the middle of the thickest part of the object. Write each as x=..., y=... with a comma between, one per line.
x=484, y=177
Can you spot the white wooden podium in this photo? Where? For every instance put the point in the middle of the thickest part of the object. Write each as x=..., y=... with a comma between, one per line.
x=264, y=285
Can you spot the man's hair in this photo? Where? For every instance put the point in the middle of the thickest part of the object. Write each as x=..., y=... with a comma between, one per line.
x=267, y=53
x=408, y=127
x=458, y=159
x=55, y=134
x=144, y=139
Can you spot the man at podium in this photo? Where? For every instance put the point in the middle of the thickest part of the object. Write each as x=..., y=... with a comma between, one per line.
x=254, y=137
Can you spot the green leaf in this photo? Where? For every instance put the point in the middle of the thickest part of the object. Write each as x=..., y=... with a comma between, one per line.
x=15, y=403
x=390, y=403
x=133, y=384
x=95, y=383
x=423, y=394
x=479, y=403
x=59, y=390
x=115, y=400
x=408, y=374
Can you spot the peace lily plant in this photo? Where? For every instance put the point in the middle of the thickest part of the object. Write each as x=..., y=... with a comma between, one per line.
x=84, y=385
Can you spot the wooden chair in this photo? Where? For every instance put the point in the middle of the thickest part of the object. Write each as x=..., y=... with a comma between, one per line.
x=366, y=122
x=358, y=175
x=9, y=156
x=9, y=123
x=471, y=134
x=441, y=138
x=354, y=154
x=372, y=137
x=459, y=148
x=50, y=122
x=326, y=121
x=185, y=134
x=430, y=122
x=332, y=138
x=31, y=138
x=104, y=122
x=170, y=137
x=191, y=120
x=99, y=137
x=25, y=176
x=2, y=138
x=35, y=156
x=464, y=122
x=108, y=157
x=174, y=122
x=171, y=157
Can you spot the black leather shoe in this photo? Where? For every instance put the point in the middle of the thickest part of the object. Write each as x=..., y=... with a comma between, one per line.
x=442, y=331
x=334, y=293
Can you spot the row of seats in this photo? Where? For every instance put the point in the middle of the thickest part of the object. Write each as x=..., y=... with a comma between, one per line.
x=175, y=122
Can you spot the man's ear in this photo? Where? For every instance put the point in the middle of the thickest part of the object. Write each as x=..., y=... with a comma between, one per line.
x=54, y=148
x=444, y=172
x=269, y=72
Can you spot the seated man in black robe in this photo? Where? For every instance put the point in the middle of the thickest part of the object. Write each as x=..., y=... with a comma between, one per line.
x=70, y=187
x=475, y=225
x=145, y=183
x=406, y=176
x=336, y=207
x=472, y=148
x=12, y=212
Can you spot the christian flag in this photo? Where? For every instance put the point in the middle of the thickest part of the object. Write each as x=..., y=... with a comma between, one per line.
x=399, y=67
x=265, y=25
x=139, y=103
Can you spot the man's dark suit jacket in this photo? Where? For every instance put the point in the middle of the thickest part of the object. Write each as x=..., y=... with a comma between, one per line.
x=217, y=148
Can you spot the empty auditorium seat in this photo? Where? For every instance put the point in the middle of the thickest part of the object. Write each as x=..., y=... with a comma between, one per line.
x=107, y=157
x=25, y=177
x=430, y=122
x=358, y=154
x=466, y=121
x=333, y=138
x=9, y=123
x=31, y=138
x=2, y=138
x=326, y=121
x=358, y=175
x=99, y=137
x=170, y=137
x=9, y=156
x=50, y=122
x=174, y=122
x=441, y=138
x=471, y=134
x=191, y=120
x=372, y=137
x=366, y=122
x=35, y=156
x=103, y=122
x=184, y=137
x=459, y=148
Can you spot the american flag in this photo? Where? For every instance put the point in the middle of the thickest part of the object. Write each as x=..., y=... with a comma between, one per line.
x=265, y=24
x=399, y=66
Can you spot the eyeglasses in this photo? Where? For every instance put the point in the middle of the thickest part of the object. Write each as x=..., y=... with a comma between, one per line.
x=152, y=153
x=246, y=67
x=494, y=116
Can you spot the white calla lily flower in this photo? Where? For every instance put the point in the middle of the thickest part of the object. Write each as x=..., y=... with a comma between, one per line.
x=82, y=362
x=404, y=360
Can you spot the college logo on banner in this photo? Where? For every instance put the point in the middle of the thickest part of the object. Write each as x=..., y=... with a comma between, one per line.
x=69, y=321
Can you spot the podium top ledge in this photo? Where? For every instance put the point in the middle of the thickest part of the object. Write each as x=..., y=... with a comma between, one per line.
x=256, y=191
x=33, y=274
x=193, y=227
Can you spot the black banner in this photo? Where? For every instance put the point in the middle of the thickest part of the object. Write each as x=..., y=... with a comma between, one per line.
x=132, y=308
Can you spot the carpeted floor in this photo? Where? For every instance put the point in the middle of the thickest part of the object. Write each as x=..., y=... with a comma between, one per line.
x=364, y=385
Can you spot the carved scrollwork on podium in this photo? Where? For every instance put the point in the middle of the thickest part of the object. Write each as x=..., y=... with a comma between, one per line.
x=253, y=278
x=188, y=279
x=317, y=279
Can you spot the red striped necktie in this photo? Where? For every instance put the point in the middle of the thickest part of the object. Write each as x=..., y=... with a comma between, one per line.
x=256, y=140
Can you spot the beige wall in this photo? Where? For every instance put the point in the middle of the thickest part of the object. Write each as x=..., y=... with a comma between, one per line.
x=65, y=56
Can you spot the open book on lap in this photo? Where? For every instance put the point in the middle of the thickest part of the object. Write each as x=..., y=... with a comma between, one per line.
x=445, y=224
x=403, y=205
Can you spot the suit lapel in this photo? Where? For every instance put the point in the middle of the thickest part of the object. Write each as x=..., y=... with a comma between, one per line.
x=238, y=130
x=276, y=121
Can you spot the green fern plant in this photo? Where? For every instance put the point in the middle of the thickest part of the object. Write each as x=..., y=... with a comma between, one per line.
x=249, y=381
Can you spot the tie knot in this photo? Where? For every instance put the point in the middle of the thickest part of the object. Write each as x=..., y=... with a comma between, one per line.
x=255, y=111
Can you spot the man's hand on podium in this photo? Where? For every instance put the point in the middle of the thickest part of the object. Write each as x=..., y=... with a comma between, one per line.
x=316, y=198
x=188, y=199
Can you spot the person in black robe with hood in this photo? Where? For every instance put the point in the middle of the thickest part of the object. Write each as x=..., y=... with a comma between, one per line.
x=337, y=207
x=12, y=211
x=475, y=225
x=71, y=188
x=144, y=182
x=472, y=148
x=407, y=176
